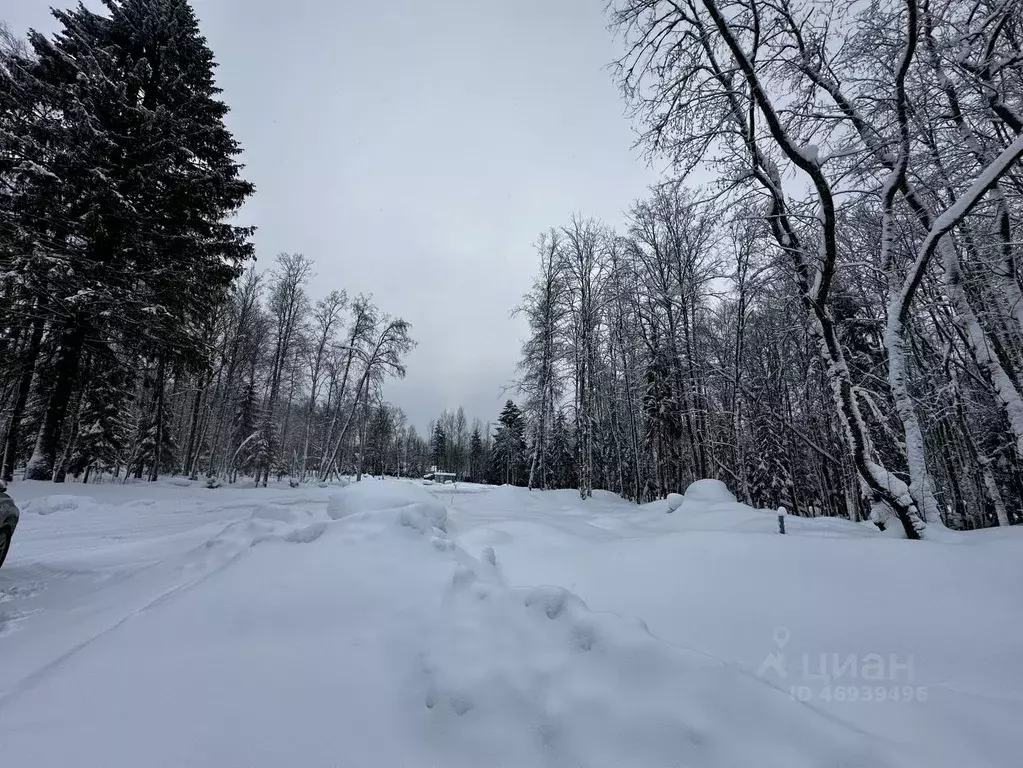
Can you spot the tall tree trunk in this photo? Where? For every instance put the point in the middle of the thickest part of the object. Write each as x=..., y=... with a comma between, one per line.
x=41, y=465
x=28, y=365
x=154, y=472
x=61, y=467
x=287, y=415
x=193, y=428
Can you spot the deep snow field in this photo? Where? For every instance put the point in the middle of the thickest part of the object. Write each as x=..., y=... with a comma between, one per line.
x=396, y=625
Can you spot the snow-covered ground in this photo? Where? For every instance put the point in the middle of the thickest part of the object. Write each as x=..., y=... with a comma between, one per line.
x=394, y=624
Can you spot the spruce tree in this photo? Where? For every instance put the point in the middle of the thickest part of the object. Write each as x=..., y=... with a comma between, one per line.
x=438, y=446
x=510, y=446
x=562, y=459
x=157, y=450
x=476, y=458
x=664, y=429
x=102, y=431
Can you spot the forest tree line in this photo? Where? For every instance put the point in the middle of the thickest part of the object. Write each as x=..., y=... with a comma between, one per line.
x=836, y=323
x=135, y=337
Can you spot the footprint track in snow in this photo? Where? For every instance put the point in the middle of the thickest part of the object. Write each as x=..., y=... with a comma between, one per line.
x=10, y=620
x=21, y=590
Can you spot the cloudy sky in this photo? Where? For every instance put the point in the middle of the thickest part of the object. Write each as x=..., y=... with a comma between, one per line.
x=414, y=149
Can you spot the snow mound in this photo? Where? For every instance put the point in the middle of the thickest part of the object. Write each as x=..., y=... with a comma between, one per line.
x=48, y=505
x=705, y=492
x=553, y=601
x=282, y=521
x=415, y=506
x=240, y=535
x=668, y=504
x=279, y=513
x=306, y=535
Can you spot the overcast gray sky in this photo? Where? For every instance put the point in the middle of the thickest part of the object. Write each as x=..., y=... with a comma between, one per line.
x=414, y=149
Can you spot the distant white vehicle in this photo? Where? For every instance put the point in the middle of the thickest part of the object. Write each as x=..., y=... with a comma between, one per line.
x=440, y=477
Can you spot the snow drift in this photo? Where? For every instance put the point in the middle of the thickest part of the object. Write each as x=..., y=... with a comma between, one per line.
x=413, y=504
